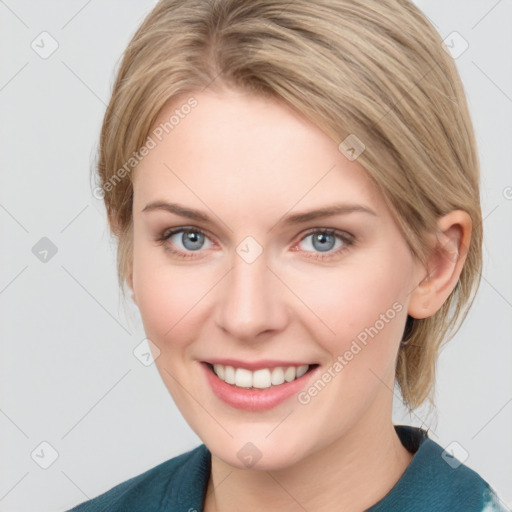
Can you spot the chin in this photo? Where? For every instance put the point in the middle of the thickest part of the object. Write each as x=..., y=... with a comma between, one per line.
x=250, y=457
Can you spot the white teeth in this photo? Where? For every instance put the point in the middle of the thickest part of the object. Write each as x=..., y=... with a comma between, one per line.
x=243, y=378
x=260, y=379
x=301, y=370
x=289, y=374
x=229, y=374
x=277, y=376
x=219, y=370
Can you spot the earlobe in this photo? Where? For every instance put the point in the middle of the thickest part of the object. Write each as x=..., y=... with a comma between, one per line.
x=446, y=259
x=420, y=303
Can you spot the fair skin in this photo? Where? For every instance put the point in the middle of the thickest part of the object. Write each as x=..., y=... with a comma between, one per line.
x=247, y=162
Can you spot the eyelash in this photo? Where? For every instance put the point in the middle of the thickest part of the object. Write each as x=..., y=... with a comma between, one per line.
x=347, y=239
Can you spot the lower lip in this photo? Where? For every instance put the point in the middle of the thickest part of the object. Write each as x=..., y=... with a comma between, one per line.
x=255, y=399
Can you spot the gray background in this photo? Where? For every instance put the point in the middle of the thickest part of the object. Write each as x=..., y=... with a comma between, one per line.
x=68, y=373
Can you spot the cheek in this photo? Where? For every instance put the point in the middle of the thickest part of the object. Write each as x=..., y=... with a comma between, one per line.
x=361, y=305
x=166, y=295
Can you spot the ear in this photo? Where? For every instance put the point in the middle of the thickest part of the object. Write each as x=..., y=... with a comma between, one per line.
x=448, y=250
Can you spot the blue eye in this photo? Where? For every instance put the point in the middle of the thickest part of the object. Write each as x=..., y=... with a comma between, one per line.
x=191, y=239
x=324, y=241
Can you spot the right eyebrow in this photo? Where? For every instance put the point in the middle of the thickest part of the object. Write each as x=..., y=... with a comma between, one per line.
x=177, y=209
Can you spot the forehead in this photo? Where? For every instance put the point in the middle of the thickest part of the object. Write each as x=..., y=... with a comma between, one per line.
x=249, y=150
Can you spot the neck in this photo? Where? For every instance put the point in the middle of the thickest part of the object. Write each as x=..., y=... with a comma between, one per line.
x=351, y=474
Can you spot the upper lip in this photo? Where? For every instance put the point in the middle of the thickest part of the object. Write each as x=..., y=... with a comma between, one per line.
x=255, y=365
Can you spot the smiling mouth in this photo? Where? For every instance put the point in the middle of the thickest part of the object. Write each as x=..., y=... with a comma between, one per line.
x=263, y=378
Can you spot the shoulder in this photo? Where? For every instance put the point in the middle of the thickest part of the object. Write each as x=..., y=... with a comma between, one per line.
x=437, y=481
x=171, y=485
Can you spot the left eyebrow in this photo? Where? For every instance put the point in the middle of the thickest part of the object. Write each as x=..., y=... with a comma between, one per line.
x=328, y=211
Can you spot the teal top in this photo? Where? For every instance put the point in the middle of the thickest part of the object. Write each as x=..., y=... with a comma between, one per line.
x=434, y=481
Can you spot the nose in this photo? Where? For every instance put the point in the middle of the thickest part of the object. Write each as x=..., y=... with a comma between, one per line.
x=251, y=300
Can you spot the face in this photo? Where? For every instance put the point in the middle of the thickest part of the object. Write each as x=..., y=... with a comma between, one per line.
x=226, y=273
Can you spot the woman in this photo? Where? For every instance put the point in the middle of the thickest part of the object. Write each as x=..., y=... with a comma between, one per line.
x=294, y=187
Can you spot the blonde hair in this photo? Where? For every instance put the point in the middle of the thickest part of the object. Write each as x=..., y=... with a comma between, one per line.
x=375, y=69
